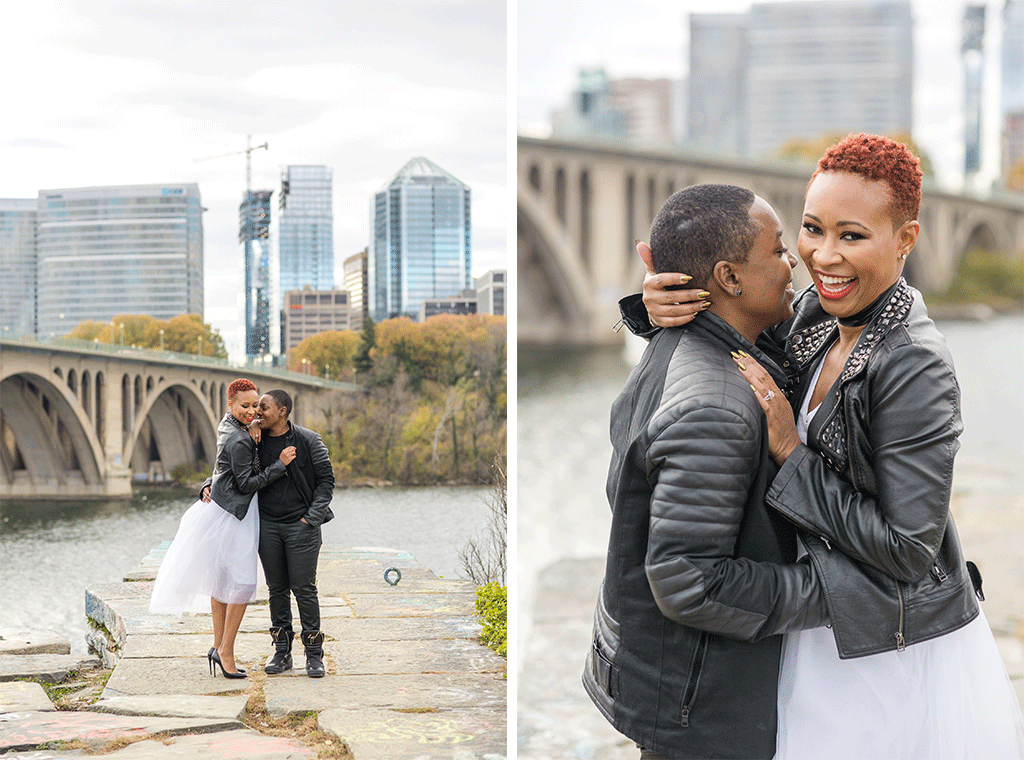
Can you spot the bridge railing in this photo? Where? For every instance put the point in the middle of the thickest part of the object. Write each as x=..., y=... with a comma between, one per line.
x=153, y=354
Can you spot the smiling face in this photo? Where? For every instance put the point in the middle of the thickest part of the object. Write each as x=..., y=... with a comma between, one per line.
x=243, y=406
x=766, y=276
x=270, y=413
x=847, y=241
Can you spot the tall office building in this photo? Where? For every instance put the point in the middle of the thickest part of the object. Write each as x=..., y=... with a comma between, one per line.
x=490, y=292
x=302, y=234
x=818, y=68
x=17, y=267
x=104, y=251
x=254, y=235
x=308, y=312
x=1012, y=94
x=591, y=111
x=973, y=59
x=420, y=247
x=357, y=280
x=799, y=70
x=717, y=86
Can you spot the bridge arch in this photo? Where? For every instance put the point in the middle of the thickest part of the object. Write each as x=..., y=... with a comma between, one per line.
x=553, y=280
x=173, y=426
x=46, y=439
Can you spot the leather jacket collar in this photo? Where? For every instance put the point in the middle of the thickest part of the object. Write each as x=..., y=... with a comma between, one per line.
x=807, y=345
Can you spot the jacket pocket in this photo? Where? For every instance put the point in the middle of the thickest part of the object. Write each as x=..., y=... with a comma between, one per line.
x=605, y=672
x=700, y=653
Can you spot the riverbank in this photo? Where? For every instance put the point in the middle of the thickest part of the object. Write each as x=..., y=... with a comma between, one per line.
x=407, y=676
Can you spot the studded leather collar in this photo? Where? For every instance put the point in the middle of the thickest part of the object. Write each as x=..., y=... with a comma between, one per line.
x=828, y=429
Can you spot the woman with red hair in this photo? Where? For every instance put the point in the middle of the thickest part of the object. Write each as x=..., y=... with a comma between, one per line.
x=213, y=556
x=864, y=434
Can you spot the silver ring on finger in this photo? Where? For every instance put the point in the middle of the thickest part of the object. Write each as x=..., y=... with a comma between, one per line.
x=769, y=395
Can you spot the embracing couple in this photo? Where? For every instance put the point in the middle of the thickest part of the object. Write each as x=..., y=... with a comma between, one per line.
x=270, y=492
x=784, y=578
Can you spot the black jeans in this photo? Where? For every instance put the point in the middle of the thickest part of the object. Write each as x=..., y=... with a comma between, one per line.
x=289, y=553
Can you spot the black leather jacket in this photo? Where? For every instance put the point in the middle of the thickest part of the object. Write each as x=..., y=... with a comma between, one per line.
x=700, y=576
x=311, y=468
x=234, y=479
x=313, y=473
x=872, y=486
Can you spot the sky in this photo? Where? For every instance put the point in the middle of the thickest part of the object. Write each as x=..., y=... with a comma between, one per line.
x=648, y=38
x=111, y=92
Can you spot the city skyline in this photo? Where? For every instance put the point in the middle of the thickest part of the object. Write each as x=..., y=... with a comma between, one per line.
x=129, y=93
x=651, y=42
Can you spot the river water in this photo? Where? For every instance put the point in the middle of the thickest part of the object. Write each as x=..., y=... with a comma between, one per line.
x=49, y=552
x=563, y=448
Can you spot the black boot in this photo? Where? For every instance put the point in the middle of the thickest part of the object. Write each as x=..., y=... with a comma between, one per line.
x=282, y=659
x=314, y=646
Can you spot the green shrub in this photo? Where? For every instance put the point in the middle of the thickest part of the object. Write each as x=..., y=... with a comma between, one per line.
x=492, y=607
x=987, y=277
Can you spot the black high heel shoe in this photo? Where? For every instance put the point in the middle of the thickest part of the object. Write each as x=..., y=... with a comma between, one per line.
x=209, y=656
x=215, y=660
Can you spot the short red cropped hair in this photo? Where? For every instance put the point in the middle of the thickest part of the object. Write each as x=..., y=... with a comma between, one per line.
x=878, y=158
x=240, y=386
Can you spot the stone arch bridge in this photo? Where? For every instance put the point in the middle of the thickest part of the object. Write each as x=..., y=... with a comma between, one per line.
x=81, y=420
x=581, y=204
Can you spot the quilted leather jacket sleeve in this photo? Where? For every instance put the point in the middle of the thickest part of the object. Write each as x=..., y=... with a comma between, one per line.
x=248, y=479
x=703, y=465
x=897, y=522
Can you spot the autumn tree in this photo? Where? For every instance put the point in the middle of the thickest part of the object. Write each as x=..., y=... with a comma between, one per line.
x=810, y=150
x=328, y=354
x=180, y=334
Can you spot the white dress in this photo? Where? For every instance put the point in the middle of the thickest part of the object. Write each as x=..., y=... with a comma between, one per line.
x=948, y=698
x=213, y=554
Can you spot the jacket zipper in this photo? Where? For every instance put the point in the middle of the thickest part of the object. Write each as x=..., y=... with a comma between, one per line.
x=690, y=694
x=937, y=571
x=900, y=642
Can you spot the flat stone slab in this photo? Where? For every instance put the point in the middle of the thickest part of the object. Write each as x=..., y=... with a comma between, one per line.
x=21, y=641
x=249, y=647
x=191, y=675
x=436, y=656
x=389, y=735
x=23, y=696
x=224, y=708
x=29, y=730
x=402, y=692
x=405, y=604
x=405, y=629
x=225, y=745
x=52, y=668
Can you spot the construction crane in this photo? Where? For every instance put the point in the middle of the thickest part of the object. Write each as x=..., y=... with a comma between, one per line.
x=257, y=339
x=249, y=148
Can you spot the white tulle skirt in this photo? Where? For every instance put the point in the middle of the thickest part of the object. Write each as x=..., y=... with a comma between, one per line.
x=214, y=554
x=944, y=699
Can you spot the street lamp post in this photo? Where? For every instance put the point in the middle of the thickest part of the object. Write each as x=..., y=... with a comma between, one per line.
x=121, y=325
x=161, y=340
x=200, y=345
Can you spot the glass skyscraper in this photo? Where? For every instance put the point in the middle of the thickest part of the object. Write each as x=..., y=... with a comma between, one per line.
x=104, y=251
x=302, y=236
x=420, y=245
x=799, y=70
x=18, y=267
x=254, y=234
